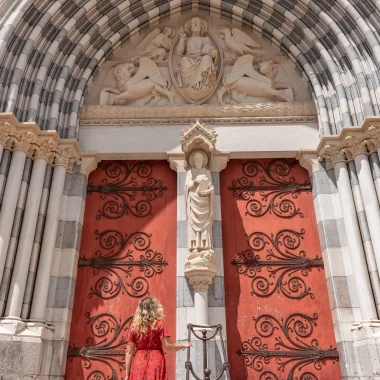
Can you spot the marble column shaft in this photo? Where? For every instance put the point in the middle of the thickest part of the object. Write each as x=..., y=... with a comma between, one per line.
x=361, y=275
x=41, y=289
x=371, y=204
x=9, y=203
x=24, y=250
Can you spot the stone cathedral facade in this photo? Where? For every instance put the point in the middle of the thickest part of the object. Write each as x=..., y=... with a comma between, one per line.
x=223, y=156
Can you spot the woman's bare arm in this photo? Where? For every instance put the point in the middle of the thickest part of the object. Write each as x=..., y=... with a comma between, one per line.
x=170, y=346
x=128, y=358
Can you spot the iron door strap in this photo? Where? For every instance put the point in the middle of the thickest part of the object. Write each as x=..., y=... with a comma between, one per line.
x=127, y=189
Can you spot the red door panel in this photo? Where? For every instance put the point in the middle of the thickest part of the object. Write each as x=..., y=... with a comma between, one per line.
x=128, y=251
x=279, y=323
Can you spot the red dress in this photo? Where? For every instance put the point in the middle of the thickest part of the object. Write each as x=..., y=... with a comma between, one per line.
x=149, y=361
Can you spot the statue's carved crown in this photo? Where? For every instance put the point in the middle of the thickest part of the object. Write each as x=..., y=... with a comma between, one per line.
x=197, y=133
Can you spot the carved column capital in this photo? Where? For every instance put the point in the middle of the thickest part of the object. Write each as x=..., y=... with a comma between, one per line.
x=66, y=157
x=219, y=162
x=309, y=161
x=200, y=283
x=25, y=142
x=333, y=154
x=177, y=162
x=46, y=150
x=354, y=146
x=89, y=162
x=373, y=139
x=200, y=278
x=7, y=132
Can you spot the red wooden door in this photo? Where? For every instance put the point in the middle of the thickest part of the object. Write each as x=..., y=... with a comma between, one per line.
x=128, y=251
x=279, y=324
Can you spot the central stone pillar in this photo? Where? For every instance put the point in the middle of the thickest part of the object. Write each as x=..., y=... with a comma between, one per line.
x=200, y=285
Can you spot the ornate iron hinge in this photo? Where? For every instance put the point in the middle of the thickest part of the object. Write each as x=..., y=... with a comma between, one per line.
x=130, y=189
x=264, y=188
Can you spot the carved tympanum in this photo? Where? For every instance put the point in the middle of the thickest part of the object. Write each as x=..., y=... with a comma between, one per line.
x=197, y=56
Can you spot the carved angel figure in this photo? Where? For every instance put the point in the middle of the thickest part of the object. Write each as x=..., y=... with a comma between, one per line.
x=199, y=195
x=244, y=80
x=157, y=44
x=238, y=42
x=147, y=81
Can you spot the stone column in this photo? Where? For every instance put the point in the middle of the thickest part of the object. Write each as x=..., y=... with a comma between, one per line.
x=64, y=160
x=336, y=159
x=6, y=133
x=356, y=149
x=21, y=146
x=43, y=155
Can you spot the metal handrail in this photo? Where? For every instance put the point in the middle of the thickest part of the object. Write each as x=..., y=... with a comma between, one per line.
x=204, y=339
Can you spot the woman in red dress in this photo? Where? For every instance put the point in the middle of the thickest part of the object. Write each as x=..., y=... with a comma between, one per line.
x=149, y=336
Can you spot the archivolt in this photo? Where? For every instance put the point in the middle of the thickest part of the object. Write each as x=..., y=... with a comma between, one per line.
x=50, y=50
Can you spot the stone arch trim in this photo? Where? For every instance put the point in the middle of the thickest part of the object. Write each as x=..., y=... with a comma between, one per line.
x=49, y=51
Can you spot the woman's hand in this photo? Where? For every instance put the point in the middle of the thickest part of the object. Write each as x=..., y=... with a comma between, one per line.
x=187, y=345
x=126, y=377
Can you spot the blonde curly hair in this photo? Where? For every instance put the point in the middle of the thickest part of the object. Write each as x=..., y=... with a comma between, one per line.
x=148, y=312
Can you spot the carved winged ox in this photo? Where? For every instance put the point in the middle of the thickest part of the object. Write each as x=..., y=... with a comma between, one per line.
x=147, y=81
x=244, y=80
x=238, y=42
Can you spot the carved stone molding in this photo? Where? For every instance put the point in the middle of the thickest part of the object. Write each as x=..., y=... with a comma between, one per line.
x=308, y=159
x=354, y=146
x=46, y=150
x=7, y=131
x=373, y=142
x=89, y=163
x=25, y=142
x=66, y=157
x=36, y=143
x=352, y=141
x=333, y=154
x=237, y=113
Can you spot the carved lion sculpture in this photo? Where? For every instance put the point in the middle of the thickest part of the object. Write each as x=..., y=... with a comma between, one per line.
x=244, y=80
x=147, y=81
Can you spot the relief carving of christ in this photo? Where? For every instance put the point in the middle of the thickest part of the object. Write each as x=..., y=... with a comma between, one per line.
x=199, y=195
x=197, y=73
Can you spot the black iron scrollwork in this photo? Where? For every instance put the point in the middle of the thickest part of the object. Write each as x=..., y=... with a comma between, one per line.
x=108, y=347
x=273, y=183
x=117, y=262
x=293, y=347
x=286, y=264
x=123, y=185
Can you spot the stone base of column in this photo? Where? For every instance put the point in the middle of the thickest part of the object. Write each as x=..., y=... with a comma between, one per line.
x=28, y=351
x=363, y=354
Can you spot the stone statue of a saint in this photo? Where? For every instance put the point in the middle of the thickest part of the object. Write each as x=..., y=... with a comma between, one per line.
x=198, y=55
x=199, y=195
